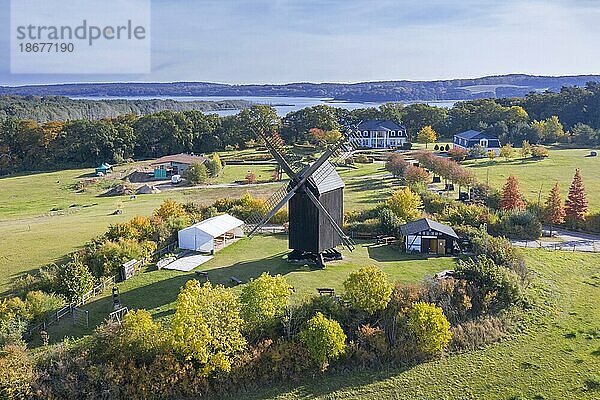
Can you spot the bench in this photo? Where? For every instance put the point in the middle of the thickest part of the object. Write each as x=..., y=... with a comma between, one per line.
x=235, y=280
x=201, y=274
x=326, y=291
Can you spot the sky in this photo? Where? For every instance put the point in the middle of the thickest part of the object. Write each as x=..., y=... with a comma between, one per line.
x=282, y=41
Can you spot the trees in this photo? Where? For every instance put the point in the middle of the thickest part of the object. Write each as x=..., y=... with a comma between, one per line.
x=296, y=124
x=507, y=151
x=207, y=325
x=323, y=338
x=263, y=300
x=214, y=165
x=549, y=130
x=430, y=327
x=170, y=208
x=539, y=152
x=419, y=115
x=576, y=205
x=458, y=153
x=415, y=175
x=426, y=135
x=396, y=164
x=196, y=173
x=525, y=149
x=554, y=212
x=511, y=198
x=477, y=151
x=76, y=280
x=368, y=289
x=405, y=204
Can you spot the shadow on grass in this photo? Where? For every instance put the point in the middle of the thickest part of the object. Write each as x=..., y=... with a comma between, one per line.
x=348, y=381
x=498, y=163
x=388, y=253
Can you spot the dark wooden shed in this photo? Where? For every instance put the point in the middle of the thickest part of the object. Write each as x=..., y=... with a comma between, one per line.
x=429, y=237
x=310, y=229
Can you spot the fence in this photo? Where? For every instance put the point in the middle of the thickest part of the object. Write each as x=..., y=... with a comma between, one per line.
x=588, y=247
x=69, y=309
x=117, y=316
x=167, y=249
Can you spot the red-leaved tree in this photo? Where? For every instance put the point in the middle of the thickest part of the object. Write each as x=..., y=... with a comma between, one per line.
x=511, y=199
x=576, y=205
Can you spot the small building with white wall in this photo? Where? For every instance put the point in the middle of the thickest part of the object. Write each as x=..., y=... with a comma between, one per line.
x=211, y=234
x=429, y=237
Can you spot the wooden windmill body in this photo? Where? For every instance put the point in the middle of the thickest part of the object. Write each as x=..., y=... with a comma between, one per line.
x=316, y=204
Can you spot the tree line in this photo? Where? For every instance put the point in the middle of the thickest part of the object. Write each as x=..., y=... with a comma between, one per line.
x=571, y=116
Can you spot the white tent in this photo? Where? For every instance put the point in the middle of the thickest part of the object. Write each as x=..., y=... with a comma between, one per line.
x=206, y=235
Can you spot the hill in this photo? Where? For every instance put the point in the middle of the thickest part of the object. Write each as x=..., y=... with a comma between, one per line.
x=516, y=85
x=59, y=108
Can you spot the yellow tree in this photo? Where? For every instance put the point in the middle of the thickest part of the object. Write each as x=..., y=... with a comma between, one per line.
x=426, y=135
x=405, y=204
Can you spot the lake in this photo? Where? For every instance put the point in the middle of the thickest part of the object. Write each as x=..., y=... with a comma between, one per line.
x=282, y=105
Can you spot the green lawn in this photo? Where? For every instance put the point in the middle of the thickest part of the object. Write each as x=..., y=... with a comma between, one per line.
x=556, y=356
x=536, y=175
x=26, y=202
x=157, y=291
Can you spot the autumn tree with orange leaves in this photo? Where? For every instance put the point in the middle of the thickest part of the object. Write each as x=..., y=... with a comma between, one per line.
x=511, y=199
x=576, y=205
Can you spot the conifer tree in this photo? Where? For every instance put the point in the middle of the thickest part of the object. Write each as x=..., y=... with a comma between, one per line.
x=512, y=199
x=576, y=205
x=554, y=212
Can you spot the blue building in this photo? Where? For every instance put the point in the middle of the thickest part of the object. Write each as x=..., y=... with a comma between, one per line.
x=468, y=139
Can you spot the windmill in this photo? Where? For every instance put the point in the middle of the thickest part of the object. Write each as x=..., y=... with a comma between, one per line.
x=315, y=196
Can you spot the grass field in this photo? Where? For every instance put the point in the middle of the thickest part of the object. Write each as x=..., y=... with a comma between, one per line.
x=157, y=291
x=536, y=175
x=27, y=222
x=557, y=356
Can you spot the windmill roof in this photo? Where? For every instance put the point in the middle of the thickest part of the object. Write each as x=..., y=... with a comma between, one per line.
x=325, y=178
x=424, y=224
x=379, y=125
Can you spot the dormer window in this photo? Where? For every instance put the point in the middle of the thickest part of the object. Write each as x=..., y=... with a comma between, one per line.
x=366, y=133
x=392, y=133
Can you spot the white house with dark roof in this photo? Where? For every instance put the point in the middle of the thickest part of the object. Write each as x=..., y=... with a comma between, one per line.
x=380, y=134
x=468, y=139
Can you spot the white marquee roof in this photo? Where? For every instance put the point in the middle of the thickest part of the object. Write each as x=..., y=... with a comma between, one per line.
x=217, y=226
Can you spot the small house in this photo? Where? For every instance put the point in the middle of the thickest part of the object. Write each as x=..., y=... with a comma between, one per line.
x=380, y=134
x=429, y=237
x=211, y=234
x=175, y=164
x=103, y=169
x=468, y=139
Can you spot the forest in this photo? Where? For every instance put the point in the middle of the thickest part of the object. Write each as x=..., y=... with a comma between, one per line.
x=452, y=89
x=571, y=116
x=59, y=108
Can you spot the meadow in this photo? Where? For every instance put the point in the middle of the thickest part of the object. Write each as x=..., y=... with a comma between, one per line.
x=538, y=176
x=554, y=352
x=48, y=215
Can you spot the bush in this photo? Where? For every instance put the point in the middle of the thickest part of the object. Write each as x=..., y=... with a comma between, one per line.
x=75, y=280
x=368, y=289
x=406, y=204
x=430, y=327
x=457, y=153
x=477, y=151
x=11, y=330
x=497, y=287
x=250, y=178
x=196, y=173
x=363, y=159
x=16, y=372
x=472, y=335
x=389, y=223
x=263, y=300
x=214, y=165
x=539, y=152
x=501, y=251
x=520, y=225
x=207, y=326
x=323, y=338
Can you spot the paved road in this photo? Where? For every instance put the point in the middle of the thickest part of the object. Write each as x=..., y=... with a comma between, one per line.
x=566, y=241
